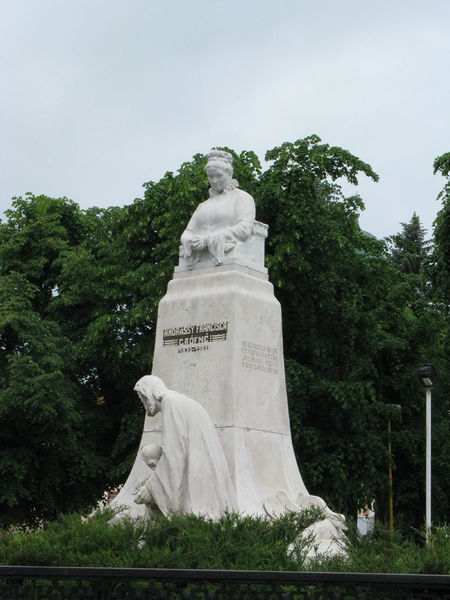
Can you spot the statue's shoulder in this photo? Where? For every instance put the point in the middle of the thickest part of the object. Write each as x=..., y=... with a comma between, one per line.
x=181, y=400
x=203, y=203
x=242, y=196
x=242, y=193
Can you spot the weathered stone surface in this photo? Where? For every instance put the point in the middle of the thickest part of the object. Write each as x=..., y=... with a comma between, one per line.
x=221, y=223
x=219, y=341
x=191, y=473
x=249, y=253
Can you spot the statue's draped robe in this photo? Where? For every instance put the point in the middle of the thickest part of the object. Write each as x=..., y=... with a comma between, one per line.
x=192, y=474
x=224, y=220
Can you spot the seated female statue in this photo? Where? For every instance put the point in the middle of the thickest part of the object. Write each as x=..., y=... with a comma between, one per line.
x=224, y=219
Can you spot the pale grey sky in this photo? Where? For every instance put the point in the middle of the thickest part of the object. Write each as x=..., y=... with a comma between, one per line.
x=98, y=96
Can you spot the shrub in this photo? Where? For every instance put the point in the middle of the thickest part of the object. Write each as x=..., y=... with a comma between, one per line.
x=233, y=542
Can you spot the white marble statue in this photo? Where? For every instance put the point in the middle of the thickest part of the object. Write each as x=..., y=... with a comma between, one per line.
x=219, y=340
x=150, y=453
x=326, y=536
x=191, y=475
x=222, y=221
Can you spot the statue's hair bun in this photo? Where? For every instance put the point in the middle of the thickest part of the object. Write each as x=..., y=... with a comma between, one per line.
x=220, y=156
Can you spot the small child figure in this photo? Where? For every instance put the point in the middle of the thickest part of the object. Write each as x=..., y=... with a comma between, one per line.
x=151, y=453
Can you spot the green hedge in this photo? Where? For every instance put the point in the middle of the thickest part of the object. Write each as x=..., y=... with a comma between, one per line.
x=231, y=543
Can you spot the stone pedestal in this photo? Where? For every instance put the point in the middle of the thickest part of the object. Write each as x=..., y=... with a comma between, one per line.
x=219, y=340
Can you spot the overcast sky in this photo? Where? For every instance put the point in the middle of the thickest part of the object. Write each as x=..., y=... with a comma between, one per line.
x=99, y=96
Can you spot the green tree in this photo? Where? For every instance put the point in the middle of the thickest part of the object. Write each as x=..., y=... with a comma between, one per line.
x=439, y=352
x=96, y=306
x=330, y=278
x=80, y=291
x=442, y=233
x=409, y=250
x=48, y=461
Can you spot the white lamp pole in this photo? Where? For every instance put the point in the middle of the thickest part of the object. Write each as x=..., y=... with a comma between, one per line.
x=428, y=462
x=426, y=372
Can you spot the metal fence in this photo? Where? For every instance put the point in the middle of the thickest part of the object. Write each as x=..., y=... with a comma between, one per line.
x=73, y=583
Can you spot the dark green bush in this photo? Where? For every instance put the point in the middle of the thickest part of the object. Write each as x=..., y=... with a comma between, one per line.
x=233, y=542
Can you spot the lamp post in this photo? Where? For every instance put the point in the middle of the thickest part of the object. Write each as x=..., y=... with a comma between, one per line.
x=391, y=486
x=394, y=410
x=426, y=372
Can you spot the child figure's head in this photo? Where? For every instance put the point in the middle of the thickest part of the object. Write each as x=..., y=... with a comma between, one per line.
x=151, y=453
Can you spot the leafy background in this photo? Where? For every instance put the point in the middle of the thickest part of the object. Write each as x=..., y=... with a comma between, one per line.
x=79, y=291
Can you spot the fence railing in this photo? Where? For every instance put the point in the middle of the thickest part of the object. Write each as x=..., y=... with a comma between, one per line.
x=76, y=583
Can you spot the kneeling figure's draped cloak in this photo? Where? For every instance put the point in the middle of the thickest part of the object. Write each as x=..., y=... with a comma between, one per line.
x=192, y=475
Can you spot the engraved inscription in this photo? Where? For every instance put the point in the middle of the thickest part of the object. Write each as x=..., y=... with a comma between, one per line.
x=192, y=349
x=195, y=338
x=259, y=357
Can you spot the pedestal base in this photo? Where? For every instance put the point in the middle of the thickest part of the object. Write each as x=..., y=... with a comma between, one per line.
x=219, y=341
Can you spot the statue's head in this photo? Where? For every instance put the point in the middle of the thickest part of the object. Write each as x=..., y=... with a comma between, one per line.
x=151, y=390
x=219, y=169
x=151, y=453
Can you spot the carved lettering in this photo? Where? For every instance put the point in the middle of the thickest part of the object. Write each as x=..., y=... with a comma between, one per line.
x=193, y=338
x=259, y=357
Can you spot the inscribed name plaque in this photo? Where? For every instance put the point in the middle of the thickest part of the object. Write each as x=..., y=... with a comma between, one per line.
x=195, y=338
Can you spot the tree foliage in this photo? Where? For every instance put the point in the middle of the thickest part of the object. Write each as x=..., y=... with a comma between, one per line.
x=442, y=232
x=79, y=293
x=46, y=453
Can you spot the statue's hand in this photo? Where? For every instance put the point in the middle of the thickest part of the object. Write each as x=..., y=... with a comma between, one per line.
x=198, y=243
x=143, y=495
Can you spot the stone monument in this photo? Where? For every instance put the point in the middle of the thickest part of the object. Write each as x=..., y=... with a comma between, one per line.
x=191, y=473
x=219, y=342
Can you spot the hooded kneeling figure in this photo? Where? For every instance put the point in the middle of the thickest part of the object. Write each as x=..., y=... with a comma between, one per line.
x=192, y=475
